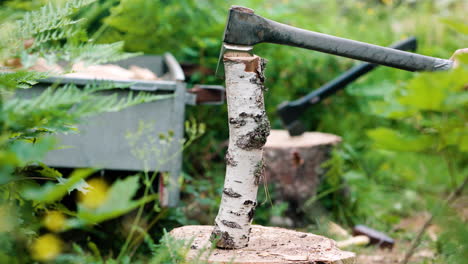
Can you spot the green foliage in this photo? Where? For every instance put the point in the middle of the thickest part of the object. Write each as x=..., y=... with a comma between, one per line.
x=19, y=80
x=27, y=120
x=50, y=192
x=433, y=107
x=51, y=22
x=118, y=202
x=55, y=109
x=172, y=26
x=430, y=117
x=49, y=17
x=391, y=139
x=175, y=251
x=453, y=242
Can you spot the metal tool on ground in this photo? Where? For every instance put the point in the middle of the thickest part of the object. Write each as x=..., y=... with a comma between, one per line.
x=289, y=112
x=245, y=29
x=376, y=237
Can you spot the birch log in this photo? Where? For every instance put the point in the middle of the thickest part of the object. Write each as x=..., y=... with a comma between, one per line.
x=248, y=131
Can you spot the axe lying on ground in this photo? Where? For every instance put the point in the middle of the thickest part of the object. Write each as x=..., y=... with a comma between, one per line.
x=289, y=112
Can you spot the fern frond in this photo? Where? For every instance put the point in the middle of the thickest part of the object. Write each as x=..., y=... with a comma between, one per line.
x=51, y=22
x=57, y=34
x=56, y=108
x=132, y=100
x=112, y=103
x=97, y=53
x=49, y=17
x=19, y=79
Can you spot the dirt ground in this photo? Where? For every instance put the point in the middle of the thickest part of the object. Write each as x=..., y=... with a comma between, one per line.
x=411, y=225
x=375, y=255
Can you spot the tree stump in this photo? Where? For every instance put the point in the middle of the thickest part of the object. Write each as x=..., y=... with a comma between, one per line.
x=293, y=164
x=268, y=245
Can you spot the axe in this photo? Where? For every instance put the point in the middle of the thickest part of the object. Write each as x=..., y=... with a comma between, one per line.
x=245, y=29
x=289, y=112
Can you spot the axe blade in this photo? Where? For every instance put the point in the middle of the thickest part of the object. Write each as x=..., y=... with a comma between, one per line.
x=231, y=22
x=225, y=48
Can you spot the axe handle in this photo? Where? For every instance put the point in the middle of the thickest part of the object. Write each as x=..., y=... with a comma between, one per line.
x=274, y=32
x=348, y=77
x=289, y=112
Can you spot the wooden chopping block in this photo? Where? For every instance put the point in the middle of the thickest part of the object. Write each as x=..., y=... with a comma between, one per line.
x=267, y=245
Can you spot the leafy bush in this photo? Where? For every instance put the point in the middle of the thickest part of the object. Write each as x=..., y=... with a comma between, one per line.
x=27, y=206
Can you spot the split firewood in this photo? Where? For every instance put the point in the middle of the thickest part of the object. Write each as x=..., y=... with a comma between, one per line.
x=42, y=65
x=110, y=71
x=353, y=241
x=80, y=70
x=334, y=228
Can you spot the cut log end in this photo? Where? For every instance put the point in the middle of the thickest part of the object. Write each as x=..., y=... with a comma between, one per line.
x=268, y=245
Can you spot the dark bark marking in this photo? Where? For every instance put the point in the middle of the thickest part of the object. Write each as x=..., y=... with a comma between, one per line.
x=243, y=114
x=237, y=122
x=231, y=193
x=234, y=213
x=231, y=224
x=230, y=160
x=222, y=239
x=249, y=202
x=251, y=214
x=256, y=138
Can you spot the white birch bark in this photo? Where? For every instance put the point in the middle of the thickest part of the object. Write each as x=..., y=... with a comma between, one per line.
x=248, y=130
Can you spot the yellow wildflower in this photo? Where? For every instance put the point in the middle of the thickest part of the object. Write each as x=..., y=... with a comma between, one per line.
x=54, y=221
x=46, y=247
x=97, y=194
x=370, y=11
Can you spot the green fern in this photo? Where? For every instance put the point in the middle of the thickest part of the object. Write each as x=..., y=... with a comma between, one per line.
x=94, y=53
x=19, y=79
x=50, y=17
x=55, y=109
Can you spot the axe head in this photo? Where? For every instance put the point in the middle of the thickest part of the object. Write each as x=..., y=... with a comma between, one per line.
x=239, y=34
x=226, y=48
x=289, y=114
